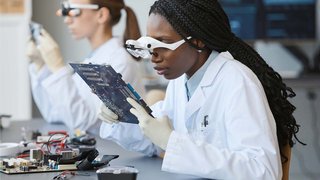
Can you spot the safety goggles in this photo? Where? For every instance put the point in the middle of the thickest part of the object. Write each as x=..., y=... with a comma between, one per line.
x=144, y=46
x=73, y=9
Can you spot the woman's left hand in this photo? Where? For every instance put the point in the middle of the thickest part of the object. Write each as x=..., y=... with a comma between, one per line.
x=157, y=130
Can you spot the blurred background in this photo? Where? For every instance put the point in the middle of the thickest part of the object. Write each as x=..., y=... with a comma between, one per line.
x=284, y=32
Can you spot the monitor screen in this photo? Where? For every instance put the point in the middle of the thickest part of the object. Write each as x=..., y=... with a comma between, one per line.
x=272, y=19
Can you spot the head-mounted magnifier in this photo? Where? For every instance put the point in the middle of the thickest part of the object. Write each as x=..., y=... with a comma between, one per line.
x=144, y=46
x=72, y=9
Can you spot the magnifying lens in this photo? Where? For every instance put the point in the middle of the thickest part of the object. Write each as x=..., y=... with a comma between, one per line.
x=73, y=9
x=144, y=46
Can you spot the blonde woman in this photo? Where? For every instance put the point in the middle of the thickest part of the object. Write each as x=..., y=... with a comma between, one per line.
x=60, y=94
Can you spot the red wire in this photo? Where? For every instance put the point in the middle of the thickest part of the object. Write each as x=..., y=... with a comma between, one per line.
x=23, y=155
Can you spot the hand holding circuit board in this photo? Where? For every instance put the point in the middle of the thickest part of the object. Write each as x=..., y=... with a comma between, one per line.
x=108, y=85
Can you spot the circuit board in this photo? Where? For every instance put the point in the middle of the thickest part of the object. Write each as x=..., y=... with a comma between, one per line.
x=25, y=169
x=109, y=86
x=36, y=170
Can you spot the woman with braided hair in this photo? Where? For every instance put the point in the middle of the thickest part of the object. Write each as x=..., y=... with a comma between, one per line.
x=226, y=113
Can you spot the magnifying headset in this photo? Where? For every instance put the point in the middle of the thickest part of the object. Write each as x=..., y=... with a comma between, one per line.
x=144, y=46
x=73, y=9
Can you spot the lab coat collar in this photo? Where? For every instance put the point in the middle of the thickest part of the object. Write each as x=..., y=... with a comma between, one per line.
x=215, y=67
x=199, y=97
x=109, y=47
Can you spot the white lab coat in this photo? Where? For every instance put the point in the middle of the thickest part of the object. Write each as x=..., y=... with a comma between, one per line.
x=239, y=140
x=64, y=97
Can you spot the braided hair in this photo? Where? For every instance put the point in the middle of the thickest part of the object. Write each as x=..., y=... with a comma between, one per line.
x=207, y=21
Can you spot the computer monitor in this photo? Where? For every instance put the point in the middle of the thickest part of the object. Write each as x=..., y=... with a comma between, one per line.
x=272, y=19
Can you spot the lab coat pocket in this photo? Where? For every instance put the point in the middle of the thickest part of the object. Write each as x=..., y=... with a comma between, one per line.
x=202, y=128
x=208, y=130
x=205, y=126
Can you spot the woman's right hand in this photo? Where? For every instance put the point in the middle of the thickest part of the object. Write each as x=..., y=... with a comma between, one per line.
x=34, y=55
x=107, y=115
x=50, y=52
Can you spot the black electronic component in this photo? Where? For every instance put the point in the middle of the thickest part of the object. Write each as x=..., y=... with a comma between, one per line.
x=35, y=134
x=86, y=163
x=35, y=31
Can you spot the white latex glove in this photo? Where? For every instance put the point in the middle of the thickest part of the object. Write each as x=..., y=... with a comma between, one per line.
x=50, y=51
x=34, y=55
x=107, y=115
x=157, y=130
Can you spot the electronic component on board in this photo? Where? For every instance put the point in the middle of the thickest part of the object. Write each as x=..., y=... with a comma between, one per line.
x=36, y=154
x=108, y=85
x=35, y=31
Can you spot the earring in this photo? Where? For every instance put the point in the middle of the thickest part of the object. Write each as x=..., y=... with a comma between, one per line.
x=199, y=50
